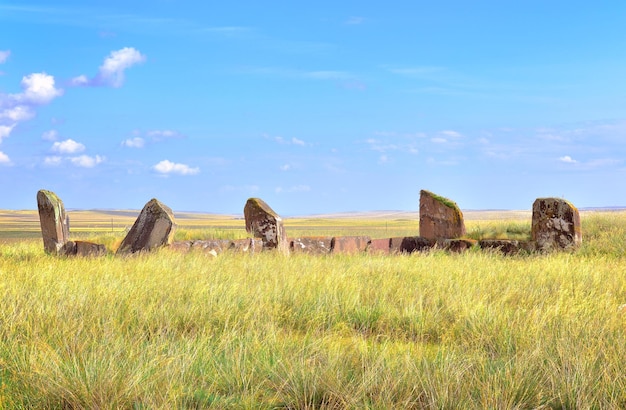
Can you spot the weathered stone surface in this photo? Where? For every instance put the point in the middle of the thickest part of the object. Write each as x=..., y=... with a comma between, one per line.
x=380, y=246
x=440, y=218
x=262, y=222
x=506, y=246
x=155, y=226
x=349, y=244
x=217, y=245
x=318, y=245
x=53, y=220
x=410, y=244
x=555, y=225
x=248, y=245
x=82, y=248
x=455, y=245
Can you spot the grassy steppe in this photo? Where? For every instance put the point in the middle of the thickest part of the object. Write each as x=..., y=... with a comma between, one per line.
x=435, y=330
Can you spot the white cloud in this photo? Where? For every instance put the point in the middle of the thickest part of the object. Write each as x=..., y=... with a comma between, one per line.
x=39, y=88
x=567, y=159
x=383, y=159
x=5, y=131
x=51, y=135
x=168, y=167
x=17, y=113
x=438, y=140
x=111, y=72
x=86, y=161
x=52, y=161
x=285, y=167
x=296, y=141
x=4, y=56
x=68, y=146
x=4, y=158
x=136, y=142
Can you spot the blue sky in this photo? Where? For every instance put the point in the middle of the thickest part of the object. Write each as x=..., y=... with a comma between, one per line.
x=317, y=107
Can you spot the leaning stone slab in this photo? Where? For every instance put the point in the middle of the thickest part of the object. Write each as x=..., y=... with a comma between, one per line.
x=155, y=226
x=410, y=244
x=440, y=218
x=262, y=222
x=53, y=220
x=349, y=244
x=555, y=225
x=82, y=248
x=316, y=245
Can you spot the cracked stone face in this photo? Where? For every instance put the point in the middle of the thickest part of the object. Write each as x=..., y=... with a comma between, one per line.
x=555, y=225
x=262, y=222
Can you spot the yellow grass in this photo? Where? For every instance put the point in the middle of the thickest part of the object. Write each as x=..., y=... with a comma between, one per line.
x=435, y=330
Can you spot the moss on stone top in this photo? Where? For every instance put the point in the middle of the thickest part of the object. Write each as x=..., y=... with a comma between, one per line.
x=443, y=200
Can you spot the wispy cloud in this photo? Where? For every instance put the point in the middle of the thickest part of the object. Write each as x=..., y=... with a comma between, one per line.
x=136, y=142
x=295, y=188
x=50, y=135
x=354, y=20
x=159, y=135
x=167, y=167
x=111, y=72
x=4, y=56
x=286, y=141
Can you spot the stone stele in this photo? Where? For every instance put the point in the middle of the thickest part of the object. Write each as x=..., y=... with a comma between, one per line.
x=54, y=226
x=440, y=218
x=262, y=222
x=155, y=226
x=555, y=225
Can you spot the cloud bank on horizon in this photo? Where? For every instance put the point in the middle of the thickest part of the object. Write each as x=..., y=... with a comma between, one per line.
x=329, y=109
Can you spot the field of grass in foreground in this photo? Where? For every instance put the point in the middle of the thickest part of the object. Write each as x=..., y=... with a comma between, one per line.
x=434, y=330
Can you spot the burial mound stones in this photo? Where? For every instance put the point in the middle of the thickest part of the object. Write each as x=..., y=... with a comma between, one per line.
x=440, y=218
x=555, y=225
x=262, y=222
x=155, y=226
x=53, y=220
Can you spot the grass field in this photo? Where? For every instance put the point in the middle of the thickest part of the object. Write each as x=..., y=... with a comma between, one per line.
x=435, y=330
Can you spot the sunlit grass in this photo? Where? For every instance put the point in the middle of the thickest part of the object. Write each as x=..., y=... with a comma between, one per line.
x=434, y=330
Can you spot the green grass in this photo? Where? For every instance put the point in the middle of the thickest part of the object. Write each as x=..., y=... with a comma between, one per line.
x=435, y=330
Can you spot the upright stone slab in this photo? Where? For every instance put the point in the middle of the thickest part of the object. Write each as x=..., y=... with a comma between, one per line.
x=555, y=225
x=440, y=218
x=262, y=222
x=155, y=226
x=53, y=220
